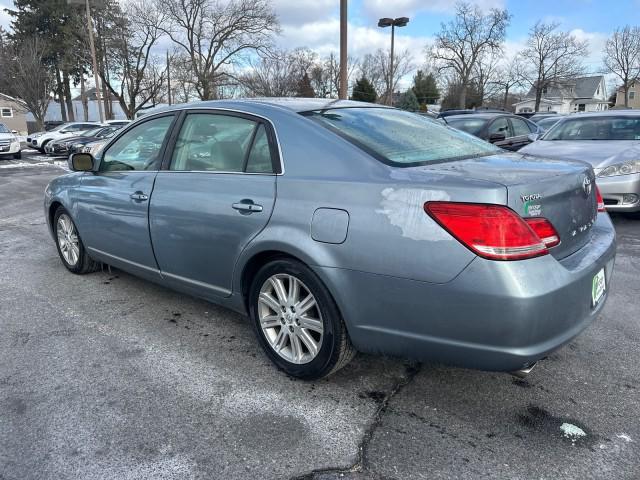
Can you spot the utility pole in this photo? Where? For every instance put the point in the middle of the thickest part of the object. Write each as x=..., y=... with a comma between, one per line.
x=92, y=46
x=168, y=80
x=342, y=94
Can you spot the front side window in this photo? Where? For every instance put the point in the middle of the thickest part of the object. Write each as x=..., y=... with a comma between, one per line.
x=140, y=148
x=7, y=112
x=400, y=138
x=216, y=143
x=596, y=128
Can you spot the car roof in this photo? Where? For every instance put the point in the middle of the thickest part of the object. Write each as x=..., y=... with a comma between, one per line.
x=606, y=113
x=297, y=105
x=484, y=115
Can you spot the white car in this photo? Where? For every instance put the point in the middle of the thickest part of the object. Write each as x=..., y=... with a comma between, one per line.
x=9, y=143
x=40, y=140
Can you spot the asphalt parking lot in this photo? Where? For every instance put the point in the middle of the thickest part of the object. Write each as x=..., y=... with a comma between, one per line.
x=106, y=376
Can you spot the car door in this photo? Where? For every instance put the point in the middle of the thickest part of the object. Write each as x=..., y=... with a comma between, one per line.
x=521, y=132
x=216, y=193
x=113, y=208
x=499, y=132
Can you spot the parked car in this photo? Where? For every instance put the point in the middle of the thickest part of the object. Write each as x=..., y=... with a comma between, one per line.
x=340, y=226
x=9, y=143
x=543, y=116
x=39, y=140
x=119, y=123
x=610, y=142
x=449, y=113
x=68, y=145
x=505, y=130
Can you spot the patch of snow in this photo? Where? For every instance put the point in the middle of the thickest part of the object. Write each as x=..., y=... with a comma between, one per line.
x=572, y=432
x=624, y=437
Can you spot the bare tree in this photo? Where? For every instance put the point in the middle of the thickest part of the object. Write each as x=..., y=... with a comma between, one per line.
x=271, y=76
x=551, y=57
x=507, y=78
x=375, y=68
x=214, y=32
x=465, y=40
x=622, y=56
x=138, y=75
x=30, y=82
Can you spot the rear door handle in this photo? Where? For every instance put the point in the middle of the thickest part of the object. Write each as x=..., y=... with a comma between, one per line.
x=247, y=206
x=139, y=197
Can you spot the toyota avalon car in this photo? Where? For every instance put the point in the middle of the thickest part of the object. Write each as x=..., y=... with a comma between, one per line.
x=610, y=142
x=342, y=226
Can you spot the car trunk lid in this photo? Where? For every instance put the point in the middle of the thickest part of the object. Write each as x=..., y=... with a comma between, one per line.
x=563, y=192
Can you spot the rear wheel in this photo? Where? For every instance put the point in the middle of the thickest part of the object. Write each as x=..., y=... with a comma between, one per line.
x=17, y=156
x=297, y=321
x=70, y=247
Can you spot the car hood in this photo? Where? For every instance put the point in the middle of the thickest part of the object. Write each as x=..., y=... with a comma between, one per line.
x=5, y=136
x=599, y=153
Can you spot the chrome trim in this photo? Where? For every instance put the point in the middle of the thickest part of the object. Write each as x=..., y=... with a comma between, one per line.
x=221, y=109
x=197, y=283
x=120, y=259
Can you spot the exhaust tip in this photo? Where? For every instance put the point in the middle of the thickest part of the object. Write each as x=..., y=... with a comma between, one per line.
x=523, y=372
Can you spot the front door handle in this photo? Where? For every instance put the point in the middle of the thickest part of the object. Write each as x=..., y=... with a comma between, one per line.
x=247, y=206
x=139, y=197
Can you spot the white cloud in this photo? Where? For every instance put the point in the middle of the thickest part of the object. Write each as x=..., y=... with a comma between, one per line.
x=5, y=18
x=397, y=8
x=299, y=12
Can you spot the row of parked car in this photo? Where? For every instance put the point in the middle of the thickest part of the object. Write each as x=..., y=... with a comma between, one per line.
x=75, y=137
x=609, y=141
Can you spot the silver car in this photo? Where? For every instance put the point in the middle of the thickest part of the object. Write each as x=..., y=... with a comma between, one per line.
x=340, y=226
x=610, y=142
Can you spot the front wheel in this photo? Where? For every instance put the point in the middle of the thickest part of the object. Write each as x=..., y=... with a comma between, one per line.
x=297, y=321
x=70, y=247
x=17, y=156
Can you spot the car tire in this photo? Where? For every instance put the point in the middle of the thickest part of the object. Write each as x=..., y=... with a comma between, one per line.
x=308, y=343
x=17, y=156
x=72, y=252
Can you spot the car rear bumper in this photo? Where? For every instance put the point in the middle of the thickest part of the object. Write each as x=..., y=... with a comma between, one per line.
x=618, y=192
x=494, y=315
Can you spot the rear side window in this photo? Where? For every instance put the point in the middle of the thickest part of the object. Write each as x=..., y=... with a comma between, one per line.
x=221, y=143
x=520, y=127
x=400, y=138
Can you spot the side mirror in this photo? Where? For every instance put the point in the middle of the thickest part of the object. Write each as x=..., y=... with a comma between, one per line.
x=534, y=136
x=81, y=162
x=497, y=137
x=15, y=132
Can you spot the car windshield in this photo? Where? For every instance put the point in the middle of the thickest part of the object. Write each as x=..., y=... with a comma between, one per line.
x=547, y=123
x=4, y=129
x=92, y=133
x=401, y=138
x=596, y=128
x=469, y=125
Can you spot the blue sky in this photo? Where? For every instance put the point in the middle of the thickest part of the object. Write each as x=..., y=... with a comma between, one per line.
x=315, y=23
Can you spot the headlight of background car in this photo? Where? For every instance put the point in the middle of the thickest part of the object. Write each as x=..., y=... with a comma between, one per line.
x=626, y=168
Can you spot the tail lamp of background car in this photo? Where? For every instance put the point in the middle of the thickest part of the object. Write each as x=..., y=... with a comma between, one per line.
x=600, y=200
x=494, y=231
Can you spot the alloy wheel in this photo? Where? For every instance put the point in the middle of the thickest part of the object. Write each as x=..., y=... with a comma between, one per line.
x=68, y=239
x=290, y=318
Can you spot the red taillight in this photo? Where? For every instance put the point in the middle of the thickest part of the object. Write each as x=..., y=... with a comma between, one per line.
x=600, y=200
x=545, y=231
x=491, y=231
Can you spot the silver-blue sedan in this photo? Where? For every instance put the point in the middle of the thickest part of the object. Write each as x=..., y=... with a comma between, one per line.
x=610, y=142
x=339, y=226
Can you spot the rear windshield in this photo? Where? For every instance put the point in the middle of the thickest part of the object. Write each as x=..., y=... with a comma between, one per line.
x=596, y=128
x=401, y=138
x=469, y=125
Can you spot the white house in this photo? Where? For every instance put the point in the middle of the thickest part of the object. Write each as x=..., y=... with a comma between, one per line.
x=581, y=94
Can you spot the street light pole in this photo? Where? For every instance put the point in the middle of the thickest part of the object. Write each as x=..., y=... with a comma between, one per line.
x=342, y=94
x=393, y=23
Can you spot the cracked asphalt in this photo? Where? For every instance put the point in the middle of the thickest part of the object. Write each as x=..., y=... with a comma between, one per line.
x=107, y=376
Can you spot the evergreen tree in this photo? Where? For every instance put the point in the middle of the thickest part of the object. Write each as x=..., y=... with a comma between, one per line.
x=304, y=88
x=425, y=88
x=408, y=101
x=363, y=91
